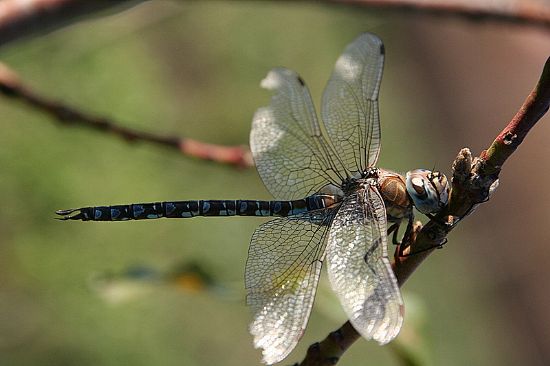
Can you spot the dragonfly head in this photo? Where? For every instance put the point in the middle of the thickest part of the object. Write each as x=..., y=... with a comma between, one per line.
x=428, y=190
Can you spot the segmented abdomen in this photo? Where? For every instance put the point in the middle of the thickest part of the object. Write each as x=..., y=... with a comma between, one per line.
x=187, y=209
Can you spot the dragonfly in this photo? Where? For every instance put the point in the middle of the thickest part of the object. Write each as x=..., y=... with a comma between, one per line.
x=349, y=211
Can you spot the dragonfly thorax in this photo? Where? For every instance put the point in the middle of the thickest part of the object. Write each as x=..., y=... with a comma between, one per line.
x=360, y=179
x=393, y=189
x=426, y=190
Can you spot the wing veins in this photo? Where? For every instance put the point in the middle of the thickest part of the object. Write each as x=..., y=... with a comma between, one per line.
x=300, y=258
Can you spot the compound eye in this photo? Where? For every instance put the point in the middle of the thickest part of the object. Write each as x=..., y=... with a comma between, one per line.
x=418, y=186
x=428, y=190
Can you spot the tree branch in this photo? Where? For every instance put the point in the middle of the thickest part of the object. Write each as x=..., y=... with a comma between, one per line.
x=522, y=13
x=474, y=180
x=20, y=18
x=12, y=87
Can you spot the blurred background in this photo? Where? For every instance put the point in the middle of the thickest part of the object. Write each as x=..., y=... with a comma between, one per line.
x=171, y=292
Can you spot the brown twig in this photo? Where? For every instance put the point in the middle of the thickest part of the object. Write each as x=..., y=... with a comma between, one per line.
x=12, y=87
x=473, y=182
x=522, y=13
x=20, y=18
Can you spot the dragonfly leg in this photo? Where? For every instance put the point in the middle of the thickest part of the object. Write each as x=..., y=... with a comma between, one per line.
x=394, y=229
x=406, y=241
x=452, y=220
x=438, y=246
x=406, y=236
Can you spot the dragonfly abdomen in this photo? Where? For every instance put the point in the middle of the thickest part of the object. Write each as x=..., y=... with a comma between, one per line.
x=188, y=209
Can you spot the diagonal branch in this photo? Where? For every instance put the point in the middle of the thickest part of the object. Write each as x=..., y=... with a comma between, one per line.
x=473, y=182
x=520, y=12
x=12, y=87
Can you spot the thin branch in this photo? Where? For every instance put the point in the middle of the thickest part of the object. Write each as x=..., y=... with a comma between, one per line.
x=21, y=18
x=474, y=180
x=521, y=12
x=12, y=87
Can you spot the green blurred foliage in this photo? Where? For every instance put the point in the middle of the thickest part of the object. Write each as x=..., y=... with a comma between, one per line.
x=183, y=69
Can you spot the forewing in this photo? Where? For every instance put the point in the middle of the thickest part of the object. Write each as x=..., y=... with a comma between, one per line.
x=282, y=271
x=350, y=102
x=359, y=269
x=286, y=140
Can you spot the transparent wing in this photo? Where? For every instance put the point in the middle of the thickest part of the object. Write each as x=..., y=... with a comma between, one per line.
x=286, y=141
x=350, y=102
x=359, y=269
x=282, y=271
